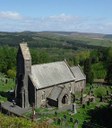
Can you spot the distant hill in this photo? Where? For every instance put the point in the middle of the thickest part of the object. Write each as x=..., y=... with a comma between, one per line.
x=62, y=39
x=109, y=36
x=90, y=35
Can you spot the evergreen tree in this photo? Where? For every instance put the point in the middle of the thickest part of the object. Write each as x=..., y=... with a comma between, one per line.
x=108, y=77
x=88, y=71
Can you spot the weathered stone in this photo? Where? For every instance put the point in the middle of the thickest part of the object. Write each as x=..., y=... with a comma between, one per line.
x=46, y=84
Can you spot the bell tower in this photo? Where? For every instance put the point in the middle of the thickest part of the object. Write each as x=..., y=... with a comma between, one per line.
x=23, y=70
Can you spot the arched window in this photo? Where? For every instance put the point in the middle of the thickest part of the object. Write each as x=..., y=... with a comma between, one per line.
x=65, y=99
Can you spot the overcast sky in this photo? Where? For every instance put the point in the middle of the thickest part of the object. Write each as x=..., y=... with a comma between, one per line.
x=56, y=15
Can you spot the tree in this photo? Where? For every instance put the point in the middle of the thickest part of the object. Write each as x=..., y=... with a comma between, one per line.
x=94, y=56
x=100, y=92
x=108, y=77
x=11, y=73
x=7, y=58
x=88, y=71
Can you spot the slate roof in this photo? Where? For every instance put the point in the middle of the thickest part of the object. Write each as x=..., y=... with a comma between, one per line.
x=25, y=51
x=79, y=75
x=45, y=75
x=55, y=93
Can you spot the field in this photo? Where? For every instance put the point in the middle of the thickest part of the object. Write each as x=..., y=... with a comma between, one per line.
x=57, y=39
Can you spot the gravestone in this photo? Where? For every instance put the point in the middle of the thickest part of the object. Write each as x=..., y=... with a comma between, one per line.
x=74, y=108
x=59, y=121
x=76, y=124
x=71, y=119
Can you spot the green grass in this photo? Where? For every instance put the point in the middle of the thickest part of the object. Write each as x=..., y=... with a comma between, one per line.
x=99, y=70
x=94, y=42
x=18, y=122
x=81, y=116
x=82, y=113
x=6, y=85
x=46, y=114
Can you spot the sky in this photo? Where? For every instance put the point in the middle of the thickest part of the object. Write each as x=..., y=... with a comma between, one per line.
x=92, y=16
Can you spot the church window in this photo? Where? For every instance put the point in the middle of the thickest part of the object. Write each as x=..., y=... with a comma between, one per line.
x=65, y=99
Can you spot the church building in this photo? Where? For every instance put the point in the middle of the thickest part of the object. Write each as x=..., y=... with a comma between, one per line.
x=49, y=84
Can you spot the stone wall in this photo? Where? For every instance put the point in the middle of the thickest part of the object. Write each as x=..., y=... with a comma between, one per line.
x=19, y=79
x=65, y=93
x=23, y=71
x=47, y=91
x=39, y=94
x=31, y=92
x=79, y=85
x=71, y=87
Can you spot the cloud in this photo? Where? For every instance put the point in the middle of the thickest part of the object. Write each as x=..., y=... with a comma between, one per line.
x=63, y=18
x=60, y=22
x=13, y=21
x=10, y=15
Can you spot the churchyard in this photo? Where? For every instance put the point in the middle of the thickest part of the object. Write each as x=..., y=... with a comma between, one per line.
x=6, y=87
x=92, y=98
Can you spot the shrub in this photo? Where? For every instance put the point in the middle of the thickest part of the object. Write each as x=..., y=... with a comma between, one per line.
x=100, y=92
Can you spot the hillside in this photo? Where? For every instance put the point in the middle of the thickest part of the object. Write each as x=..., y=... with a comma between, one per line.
x=17, y=122
x=69, y=40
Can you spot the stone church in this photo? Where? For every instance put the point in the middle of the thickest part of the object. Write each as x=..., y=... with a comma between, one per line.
x=49, y=84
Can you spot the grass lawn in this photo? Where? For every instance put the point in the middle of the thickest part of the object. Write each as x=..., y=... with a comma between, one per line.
x=67, y=118
x=6, y=85
x=60, y=119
